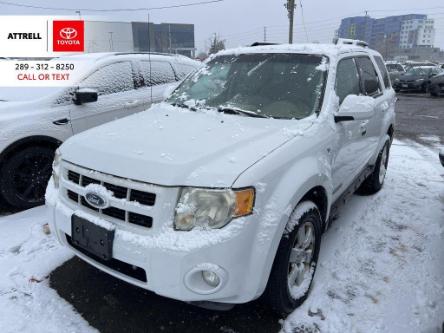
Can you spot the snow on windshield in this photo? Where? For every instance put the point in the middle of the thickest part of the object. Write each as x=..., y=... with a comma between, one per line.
x=276, y=85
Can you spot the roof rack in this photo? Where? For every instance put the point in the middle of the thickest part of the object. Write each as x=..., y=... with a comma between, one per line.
x=345, y=41
x=262, y=44
x=151, y=53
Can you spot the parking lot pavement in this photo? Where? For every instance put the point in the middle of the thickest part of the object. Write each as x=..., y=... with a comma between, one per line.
x=420, y=117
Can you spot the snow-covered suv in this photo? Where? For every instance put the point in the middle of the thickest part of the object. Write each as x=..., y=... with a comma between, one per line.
x=114, y=85
x=221, y=193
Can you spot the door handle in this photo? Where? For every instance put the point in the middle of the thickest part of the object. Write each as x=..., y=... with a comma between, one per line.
x=63, y=121
x=363, y=128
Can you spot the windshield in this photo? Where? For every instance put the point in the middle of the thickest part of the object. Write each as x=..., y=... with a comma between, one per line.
x=419, y=71
x=394, y=68
x=268, y=85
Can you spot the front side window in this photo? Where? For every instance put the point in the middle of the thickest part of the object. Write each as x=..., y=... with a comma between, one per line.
x=347, y=79
x=159, y=72
x=269, y=85
x=111, y=79
x=183, y=70
x=369, y=77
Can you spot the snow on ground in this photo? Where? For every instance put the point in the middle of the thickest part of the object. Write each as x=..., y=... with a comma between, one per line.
x=381, y=265
x=27, y=256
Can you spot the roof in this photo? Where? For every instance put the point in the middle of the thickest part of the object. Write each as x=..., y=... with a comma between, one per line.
x=93, y=57
x=320, y=49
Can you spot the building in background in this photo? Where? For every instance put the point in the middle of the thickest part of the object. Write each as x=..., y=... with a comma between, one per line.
x=417, y=32
x=103, y=36
x=409, y=36
x=164, y=37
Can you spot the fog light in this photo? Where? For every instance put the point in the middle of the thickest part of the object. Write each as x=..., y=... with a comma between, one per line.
x=211, y=278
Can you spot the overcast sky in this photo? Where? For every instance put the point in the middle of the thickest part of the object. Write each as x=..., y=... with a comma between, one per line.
x=241, y=22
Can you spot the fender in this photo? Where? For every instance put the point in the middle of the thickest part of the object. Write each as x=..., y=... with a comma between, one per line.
x=29, y=141
x=296, y=179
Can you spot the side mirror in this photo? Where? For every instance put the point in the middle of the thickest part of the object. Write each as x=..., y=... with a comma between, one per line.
x=355, y=108
x=85, y=95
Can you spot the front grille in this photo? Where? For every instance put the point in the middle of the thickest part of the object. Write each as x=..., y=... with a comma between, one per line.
x=86, y=181
x=142, y=220
x=115, y=264
x=73, y=176
x=114, y=212
x=73, y=196
x=119, y=192
x=143, y=198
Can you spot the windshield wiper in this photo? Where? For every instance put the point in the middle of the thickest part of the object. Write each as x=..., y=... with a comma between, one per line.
x=232, y=110
x=183, y=106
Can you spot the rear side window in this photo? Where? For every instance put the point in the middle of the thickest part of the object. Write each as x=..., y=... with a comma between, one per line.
x=161, y=73
x=183, y=70
x=111, y=79
x=383, y=70
x=347, y=79
x=369, y=78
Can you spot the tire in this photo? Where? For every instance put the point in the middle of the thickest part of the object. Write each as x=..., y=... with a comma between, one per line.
x=374, y=182
x=24, y=177
x=305, y=217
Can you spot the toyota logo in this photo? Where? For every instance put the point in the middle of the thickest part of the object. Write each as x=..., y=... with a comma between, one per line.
x=68, y=33
x=95, y=200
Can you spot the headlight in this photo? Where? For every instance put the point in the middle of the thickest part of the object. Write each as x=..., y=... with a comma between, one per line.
x=419, y=80
x=211, y=208
x=56, y=168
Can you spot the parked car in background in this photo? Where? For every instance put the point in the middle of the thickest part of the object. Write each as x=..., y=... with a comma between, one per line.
x=416, y=79
x=246, y=159
x=395, y=70
x=114, y=86
x=437, y=85
x=411, y=64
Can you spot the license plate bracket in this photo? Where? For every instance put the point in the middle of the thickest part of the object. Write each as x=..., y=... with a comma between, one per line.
x=92, y=238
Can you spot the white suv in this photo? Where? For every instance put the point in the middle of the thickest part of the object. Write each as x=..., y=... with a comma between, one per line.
x=221, y=193
x=114, y=85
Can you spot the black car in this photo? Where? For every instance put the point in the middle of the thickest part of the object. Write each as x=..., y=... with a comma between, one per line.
x=437, y=85
x=416, y=79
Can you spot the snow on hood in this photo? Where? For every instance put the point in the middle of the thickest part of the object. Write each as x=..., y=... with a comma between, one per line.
x=171, y=146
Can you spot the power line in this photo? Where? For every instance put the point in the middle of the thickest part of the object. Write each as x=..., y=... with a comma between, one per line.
x=303, y=19
x=7, y=3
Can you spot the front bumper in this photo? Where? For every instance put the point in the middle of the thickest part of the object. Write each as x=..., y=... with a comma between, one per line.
x=411, y=86
x=171, y=260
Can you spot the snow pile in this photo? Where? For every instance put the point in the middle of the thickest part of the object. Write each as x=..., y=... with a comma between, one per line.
x=381, y=264
x=27, y=256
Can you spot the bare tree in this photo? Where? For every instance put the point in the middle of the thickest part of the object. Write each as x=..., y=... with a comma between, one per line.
x=216, y=44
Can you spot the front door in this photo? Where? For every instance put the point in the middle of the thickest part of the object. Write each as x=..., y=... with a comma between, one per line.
x=118, y=97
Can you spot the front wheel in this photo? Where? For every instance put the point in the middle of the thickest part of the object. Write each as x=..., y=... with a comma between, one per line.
x=24, y=177
x=295, y=262
x=373, y=183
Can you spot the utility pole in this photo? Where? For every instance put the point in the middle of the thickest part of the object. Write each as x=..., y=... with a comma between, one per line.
x=265, y=34
x=290, y=5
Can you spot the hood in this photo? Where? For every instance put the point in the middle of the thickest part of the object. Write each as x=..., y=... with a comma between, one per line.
x=170, y=146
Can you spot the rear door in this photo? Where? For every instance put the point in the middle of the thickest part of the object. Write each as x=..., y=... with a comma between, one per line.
x=116, y=86
x=158, y=75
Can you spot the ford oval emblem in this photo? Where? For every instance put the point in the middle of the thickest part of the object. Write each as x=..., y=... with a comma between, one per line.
x=96, y=200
